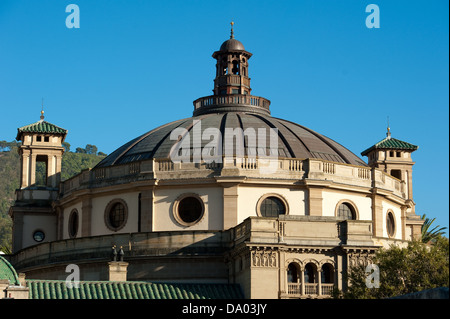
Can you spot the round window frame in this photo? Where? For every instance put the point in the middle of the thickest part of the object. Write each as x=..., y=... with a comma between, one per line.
x=177, y=216
x=394, y=224
x=43, y=234
x=352, y=205
x=277, y=196
x=108, y=211
x=69, y=224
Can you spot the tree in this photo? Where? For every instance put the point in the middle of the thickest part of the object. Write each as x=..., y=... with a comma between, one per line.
x=91, y=149
x=402, y=270
x=80, y=150
x=433, y=234
x=66, y=146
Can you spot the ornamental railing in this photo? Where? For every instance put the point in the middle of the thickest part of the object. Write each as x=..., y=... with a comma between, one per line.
x=232, y=100
x=296, y=168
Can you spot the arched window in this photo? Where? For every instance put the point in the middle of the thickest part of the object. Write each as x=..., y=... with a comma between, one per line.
x=346, y=211
x=390, y=224
x=327, y=274
x=272, y=207
x=292, y=273
x=235, y=69
x=310, y=273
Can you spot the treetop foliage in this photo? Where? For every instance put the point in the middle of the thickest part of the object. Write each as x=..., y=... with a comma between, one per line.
x=406, y=270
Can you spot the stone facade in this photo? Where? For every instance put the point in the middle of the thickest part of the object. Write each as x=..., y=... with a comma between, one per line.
x=281, y=226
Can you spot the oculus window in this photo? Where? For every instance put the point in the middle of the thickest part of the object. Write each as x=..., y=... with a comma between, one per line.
x=189, y=209
x=73, y=223
x=390, y=224
x=38, y=236
x=116, y=214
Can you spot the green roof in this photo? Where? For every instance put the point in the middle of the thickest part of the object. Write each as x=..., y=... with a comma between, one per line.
x=8, y=272
x=40, y=127
x=391, y=143
x=57, y=289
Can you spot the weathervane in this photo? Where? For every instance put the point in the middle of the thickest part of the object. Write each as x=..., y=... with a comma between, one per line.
x=232, y=31
x=388, y=134
x=42, y=110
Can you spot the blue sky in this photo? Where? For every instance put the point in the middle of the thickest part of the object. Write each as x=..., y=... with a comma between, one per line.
x=135, y=65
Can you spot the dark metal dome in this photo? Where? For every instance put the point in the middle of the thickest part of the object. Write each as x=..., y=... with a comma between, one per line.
x=294, y=140
x=232, y=45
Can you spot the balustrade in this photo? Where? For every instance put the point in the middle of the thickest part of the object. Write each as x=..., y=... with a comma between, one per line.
x=301, y=168
x=234, y=99
x=294, y=288
x=311, y=289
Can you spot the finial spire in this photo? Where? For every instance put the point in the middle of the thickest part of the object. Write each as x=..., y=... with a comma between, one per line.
x=388, y=134
x=42, y=110
x=232, y=31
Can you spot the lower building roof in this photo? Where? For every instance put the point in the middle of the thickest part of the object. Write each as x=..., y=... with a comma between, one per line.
x=57, y=289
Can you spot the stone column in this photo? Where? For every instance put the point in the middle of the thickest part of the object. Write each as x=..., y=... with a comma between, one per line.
x=32, y=172
x=25, y=169
x=50, y=171
x=302, y=280
x=319, y=278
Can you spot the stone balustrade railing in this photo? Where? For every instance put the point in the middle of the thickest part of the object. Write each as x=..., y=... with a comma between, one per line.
x=230, y=102
x=284, y=168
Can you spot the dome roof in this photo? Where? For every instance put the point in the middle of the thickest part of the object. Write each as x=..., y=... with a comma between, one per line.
x=294, y=140
x=231, y=45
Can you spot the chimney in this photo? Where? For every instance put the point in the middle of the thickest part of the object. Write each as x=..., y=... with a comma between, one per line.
x=117, y=268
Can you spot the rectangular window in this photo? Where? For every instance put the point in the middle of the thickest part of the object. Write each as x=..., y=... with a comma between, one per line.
x=39, y=138
x=46, y=138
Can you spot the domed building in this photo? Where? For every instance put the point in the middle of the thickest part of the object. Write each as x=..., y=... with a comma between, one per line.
x=230, y=196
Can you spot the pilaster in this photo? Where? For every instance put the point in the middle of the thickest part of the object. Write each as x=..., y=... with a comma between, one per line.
x=86, y=212
x=147, y=211
x=315, y=201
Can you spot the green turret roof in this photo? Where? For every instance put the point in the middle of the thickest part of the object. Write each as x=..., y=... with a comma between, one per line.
x=8, y=272
x=40, y=127
x=391, y=143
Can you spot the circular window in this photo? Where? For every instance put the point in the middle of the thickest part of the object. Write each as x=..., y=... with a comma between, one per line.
x=390, y=224
x=73, y=223
x=346, y=211
x=189, y=210
x=116, y=214
x=271, y=206
x=38, y=236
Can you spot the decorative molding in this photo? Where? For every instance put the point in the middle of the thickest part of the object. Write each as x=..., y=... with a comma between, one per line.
x=264, y=258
